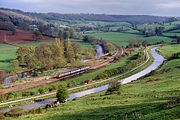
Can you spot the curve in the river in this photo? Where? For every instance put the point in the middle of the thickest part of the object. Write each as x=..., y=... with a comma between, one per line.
x=158, y=60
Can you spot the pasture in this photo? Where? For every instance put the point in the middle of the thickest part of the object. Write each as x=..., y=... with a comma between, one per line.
x=122, y=39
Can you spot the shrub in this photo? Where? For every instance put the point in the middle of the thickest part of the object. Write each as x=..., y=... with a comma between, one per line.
x=114, y=88
x=16, y=112
x=62, y=93
x=41, y=90
x=2, y=98
x=51, y=88
x=71, y=84
x=11, y=95
x=26, y=93
x=33, y=92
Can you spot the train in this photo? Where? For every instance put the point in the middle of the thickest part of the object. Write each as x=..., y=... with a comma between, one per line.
x=79, y=70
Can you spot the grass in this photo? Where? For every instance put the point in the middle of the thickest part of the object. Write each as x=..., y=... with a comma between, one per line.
x=7, y=52
x=122, y=39
x=171, y=34
x=143, y=99
x=168, y=50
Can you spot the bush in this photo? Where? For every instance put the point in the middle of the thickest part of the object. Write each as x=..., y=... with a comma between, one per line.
x=2, y=98
x=41, y=90
x=36, y=111
x=16, y=112
x=51, y=88
x=114, y=88
x=33, y=92
x=71, y=84
x=26, y=93
x=62, y=94
x=11, y=95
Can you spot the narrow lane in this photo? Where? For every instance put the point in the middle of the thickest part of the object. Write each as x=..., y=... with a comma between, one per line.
x=158, y=60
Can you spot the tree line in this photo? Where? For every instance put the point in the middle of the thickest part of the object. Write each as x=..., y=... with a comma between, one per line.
x=48, y=55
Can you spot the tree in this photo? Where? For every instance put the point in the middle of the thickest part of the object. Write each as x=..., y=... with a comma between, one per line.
x=25, y=54
x=69, y=51
x=72, y=33
x=114, y=88
x=66, y=35
x=14, y=65
x=37, y=35
x=145, y=43
x=60, y=35
x=45, y=55
x=58, y=51
x=62, y=94
x=133, y=43
x=77, y=50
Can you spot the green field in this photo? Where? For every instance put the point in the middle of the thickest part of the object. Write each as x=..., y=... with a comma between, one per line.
x=145, y=99
x=123, y=39
x=171, y=34
x=168, y=50
x=7, y=52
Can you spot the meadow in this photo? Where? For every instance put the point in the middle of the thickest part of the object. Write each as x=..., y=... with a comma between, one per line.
x=151, y=97
x=122, y=39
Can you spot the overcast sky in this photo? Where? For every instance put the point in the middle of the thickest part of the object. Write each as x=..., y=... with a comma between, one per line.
x=122, y=7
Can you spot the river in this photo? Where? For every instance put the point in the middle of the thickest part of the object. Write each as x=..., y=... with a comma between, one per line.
x=99, y=51
x=158, y=60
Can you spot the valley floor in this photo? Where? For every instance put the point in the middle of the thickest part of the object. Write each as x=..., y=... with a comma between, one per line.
x=155, y=96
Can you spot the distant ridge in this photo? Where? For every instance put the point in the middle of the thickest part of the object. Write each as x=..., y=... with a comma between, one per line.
x=90, y=17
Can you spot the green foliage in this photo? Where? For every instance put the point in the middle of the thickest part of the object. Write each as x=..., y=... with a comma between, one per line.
x=41, y=90
x=16, y=112
x=137, y=58
x=71, y=84
x=51, y=88
x=62, y=93
x=114, y=88
x=69, y=51
x=14, y=65
x=37, y=35
x=11, y=95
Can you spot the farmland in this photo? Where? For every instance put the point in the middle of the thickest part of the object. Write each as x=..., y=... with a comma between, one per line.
x=122, y=39
x=42, y=54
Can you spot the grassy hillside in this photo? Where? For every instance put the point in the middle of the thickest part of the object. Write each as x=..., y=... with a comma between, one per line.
x=148, y=98
x=124, y=38
x=168, y=50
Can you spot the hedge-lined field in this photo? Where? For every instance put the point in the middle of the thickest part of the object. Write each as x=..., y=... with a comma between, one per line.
x=122, y=39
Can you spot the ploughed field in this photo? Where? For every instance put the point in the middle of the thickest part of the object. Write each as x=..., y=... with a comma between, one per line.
x=20, y=36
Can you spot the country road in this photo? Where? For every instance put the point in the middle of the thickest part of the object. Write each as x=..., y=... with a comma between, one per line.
x=158, y=60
